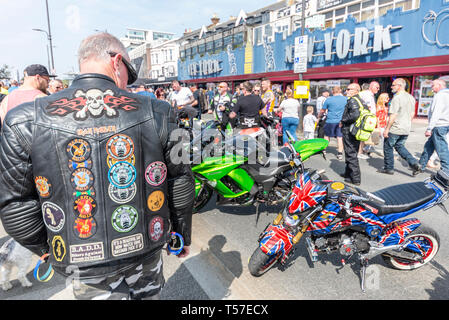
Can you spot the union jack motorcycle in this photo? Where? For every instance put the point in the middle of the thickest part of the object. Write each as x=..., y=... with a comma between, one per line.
x=340, y=218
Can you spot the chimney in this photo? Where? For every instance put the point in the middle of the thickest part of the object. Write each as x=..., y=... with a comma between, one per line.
x=215, y=19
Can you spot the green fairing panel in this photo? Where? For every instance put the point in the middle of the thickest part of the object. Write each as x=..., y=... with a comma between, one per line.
x=307, y=148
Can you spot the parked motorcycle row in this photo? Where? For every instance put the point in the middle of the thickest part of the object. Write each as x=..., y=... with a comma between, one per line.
x=331, y=216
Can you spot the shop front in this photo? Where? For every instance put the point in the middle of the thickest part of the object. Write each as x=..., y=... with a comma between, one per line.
x=410, y=44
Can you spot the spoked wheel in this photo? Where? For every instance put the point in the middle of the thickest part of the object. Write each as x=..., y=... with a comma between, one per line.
x=424, y=238
x=259, y=263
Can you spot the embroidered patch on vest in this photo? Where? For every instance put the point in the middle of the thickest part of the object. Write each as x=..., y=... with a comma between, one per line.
x=111, y=161
x=122, y=174
x=75, y=165
x=123, y=195
x=127, y=245
x=82, y=179
x=156, y=200
x=92, y=103
x=156, y=173
x=120, y=147
x=156, y=228
x=85, y=228
x=78, y=150
x=84, y=207
x=54, y=216
x=86, y=252
x=124, y=218
x=43, y=186
x=59, y=249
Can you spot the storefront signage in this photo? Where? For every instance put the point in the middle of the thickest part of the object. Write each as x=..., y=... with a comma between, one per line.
x=300, y=62
x=381, y=40
x=204, y=68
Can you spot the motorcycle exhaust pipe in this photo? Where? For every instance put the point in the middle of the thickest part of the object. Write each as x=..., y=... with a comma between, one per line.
x=278, y=219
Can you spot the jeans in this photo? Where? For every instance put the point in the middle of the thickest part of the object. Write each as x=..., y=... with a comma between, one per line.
x=290, y=125
x=436, y=142
x=396, y=142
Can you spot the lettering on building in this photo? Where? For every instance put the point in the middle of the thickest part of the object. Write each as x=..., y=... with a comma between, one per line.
x=204, y=68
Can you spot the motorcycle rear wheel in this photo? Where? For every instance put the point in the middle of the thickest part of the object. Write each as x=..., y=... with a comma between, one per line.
x=202, y=199
x=259, y=263
x=425, y=236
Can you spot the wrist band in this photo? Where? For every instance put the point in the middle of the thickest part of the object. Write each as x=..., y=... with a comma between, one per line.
x=179, y=246
x=48, y=275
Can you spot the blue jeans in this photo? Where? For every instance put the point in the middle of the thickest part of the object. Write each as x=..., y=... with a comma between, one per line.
x=290, y=125
x=396, y=142
x=436, y=142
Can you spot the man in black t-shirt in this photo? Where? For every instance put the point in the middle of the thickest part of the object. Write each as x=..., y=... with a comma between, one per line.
x=248, y=108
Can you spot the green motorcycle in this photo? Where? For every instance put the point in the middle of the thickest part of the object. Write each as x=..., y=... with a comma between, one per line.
x=246, y=174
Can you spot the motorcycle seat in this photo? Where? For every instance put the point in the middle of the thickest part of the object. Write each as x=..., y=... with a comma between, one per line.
x=403, y=197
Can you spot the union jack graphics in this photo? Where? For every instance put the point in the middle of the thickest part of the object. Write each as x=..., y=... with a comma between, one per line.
x=305, y=194
x=277, y=239
x=396, y=232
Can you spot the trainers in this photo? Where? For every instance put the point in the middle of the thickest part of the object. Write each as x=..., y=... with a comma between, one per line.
x=362, y=156
x=340, y=156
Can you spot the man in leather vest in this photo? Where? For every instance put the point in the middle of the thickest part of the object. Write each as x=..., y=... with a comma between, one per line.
x=351, y=144
x=87, y=176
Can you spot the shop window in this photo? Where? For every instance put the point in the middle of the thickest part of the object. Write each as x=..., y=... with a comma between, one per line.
x=340, y=12
x=328, y=24
x=194, y=50
x=258, y=35
x=268, y=30
x=202, y=48
x=339, y=20
x=218, y=44
x=354, y=8
x=382, y=2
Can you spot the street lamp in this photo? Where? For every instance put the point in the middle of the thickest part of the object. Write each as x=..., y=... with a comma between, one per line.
x=48, y=53
x=49, y=38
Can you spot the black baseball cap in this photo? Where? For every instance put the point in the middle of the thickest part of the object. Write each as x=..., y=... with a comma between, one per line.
x=39, y=69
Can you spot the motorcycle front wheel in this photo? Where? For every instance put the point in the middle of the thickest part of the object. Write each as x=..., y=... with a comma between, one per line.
x=428, y=241
x=259, y=263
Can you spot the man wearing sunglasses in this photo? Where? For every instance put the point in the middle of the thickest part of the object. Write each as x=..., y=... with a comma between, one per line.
x=96, y=159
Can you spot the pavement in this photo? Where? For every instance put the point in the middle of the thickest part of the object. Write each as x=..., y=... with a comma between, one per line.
x=215, y=270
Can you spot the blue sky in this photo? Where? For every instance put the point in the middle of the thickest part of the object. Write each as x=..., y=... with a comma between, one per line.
x=71, y=21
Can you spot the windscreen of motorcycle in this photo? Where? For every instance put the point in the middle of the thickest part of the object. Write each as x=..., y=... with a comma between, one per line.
x=306, y=194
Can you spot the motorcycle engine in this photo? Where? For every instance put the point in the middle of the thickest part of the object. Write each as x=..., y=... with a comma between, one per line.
x=346, y=244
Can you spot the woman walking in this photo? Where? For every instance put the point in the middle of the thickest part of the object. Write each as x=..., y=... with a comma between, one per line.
x=290, y=117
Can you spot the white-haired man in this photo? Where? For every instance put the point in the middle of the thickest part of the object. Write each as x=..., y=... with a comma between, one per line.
x=99, y=158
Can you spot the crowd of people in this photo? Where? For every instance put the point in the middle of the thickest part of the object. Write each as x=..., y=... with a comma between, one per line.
x=131, y=141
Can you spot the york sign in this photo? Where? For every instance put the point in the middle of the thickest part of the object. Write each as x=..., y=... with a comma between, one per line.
x=361, y=45
x=204, y=68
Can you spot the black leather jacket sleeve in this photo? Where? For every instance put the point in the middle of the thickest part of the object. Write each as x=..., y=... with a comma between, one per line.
x=20, y=209
x=181, y=183
x=351, y=112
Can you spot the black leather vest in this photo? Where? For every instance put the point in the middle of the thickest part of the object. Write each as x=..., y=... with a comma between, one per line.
x=99, y=169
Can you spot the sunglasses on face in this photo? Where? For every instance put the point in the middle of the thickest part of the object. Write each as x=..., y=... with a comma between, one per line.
x=132, y=74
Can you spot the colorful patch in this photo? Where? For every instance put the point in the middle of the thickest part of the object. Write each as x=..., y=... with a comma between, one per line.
x=124, y=218
x=120, y=147
x=127, y=245
x=90, y=192
x=85, y=228
x=59, y=249
x=85, y=206
x=86, y=252
x=75, y=165
x=156, y=173
x=155, y=200
x=111, y=161
x=123, y=195
x=43, y=186
x=54, y=216
x=82, y=179
x=156, y=228
x=122, y=174
x=78, y=150
x=94, y=103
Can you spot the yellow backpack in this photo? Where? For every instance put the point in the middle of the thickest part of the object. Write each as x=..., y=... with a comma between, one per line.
x=365, y=123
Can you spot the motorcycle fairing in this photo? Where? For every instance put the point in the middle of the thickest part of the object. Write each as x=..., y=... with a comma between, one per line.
x=276, y=239
x=307, y=148
x=306, y=194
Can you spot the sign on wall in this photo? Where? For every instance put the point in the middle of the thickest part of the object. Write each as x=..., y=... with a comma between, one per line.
x=300, y=60
x=302, y=89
